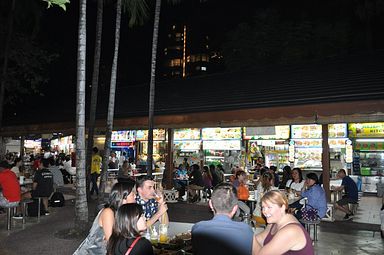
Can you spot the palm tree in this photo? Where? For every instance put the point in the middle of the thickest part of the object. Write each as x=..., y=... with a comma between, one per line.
x=95, y=86
x=137, y=10
x=152, y=87
x=81, y=212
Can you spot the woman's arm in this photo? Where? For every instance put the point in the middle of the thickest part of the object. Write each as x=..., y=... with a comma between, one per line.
x=258, y=240
x=107, y=218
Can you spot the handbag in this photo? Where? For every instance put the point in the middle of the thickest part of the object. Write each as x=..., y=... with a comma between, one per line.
x=132, y=245
x=309, y=213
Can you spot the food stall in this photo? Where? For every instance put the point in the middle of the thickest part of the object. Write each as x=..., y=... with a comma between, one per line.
x=337, y=141
x=159, y=148
x=222, y=146
x=187, y=144
x=271, y=143
x=368, y=140
x=63, y=145
x=308, y=146
x=123, y=141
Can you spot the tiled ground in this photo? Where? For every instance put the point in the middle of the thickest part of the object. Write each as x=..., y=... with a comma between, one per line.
x=369, y=210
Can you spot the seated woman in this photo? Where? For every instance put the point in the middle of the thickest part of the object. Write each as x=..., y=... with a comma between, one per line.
x=101, y=230
x=315, y=196
x=266, y=184
x=296, y=183
x=125, y=171
x=207, y=179
x=196, y=183
x=284, y=234
x=126, y=235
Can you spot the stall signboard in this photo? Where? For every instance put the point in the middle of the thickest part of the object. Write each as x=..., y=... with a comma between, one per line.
x=337, y=130
x=186, y=134
x=337, y=142
x=221, y=133
x=306, y=131
x=291, y=151
x=54, y=142
x=121, y=144
x=375, y=129
x=348, y=151
x=369, y=146
x=266, y=133
x=123, y=135
x=158, y=134
x=32, y=144
x=308, y=143
x=187, y=145
x=222, y=145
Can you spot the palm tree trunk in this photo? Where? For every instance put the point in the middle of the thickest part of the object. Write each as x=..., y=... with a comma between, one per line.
x=152, y=88
x=81, y=211
x=4, y=71
x=111, y=104
x=95, y=86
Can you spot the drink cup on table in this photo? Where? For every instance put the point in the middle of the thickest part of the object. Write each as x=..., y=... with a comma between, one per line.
x=163, y=233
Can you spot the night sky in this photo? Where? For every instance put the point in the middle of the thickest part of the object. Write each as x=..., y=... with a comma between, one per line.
x=58, y=33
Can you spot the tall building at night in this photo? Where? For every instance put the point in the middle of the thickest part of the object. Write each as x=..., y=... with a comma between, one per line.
x=188, y=52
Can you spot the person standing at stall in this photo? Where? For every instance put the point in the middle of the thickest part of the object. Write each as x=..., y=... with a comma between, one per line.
x=95, y=170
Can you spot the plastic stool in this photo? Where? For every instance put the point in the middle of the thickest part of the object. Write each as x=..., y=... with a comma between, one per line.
x=353, y=207
x=24, y=204
x=10, y=211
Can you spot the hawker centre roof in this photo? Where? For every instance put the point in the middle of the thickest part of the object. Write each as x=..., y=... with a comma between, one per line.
x=340, y=89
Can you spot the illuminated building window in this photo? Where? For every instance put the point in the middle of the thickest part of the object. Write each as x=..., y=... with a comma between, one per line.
x=203, y=68
x=175, y=62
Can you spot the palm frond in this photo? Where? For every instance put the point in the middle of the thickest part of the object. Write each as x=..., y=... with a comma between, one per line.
x=137, y=11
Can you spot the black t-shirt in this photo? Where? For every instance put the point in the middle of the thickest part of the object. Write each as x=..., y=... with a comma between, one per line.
x=44, y=180
x=196, y=178
x=142, y=247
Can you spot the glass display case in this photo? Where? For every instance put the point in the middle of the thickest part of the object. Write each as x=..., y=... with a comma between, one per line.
x=372, y=163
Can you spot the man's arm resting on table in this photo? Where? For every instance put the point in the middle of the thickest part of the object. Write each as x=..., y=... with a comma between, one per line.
x=161, y=215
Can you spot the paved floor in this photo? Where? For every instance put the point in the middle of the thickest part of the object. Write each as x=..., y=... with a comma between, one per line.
x=41, y=237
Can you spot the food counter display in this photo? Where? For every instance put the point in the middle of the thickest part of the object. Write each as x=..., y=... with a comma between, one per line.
x=222, y=146
x=187, y=144
x=337, y=141
x=159, y=147
x=368, y=145
x=270, y=142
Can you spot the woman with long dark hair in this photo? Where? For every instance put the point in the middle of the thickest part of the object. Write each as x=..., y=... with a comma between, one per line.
x=101, y=230
x=126, y=234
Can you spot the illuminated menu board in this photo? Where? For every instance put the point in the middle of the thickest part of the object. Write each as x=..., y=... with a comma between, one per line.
x=306, y=131
x=222, y=145
x=123, y=135
x=375, y=129
x=337, y=130
x=221, y=133
x=272, y=133
x=187, y=134
x=187, y=145
x=158, y=134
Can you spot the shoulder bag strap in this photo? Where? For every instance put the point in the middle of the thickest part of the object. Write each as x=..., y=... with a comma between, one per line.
x=132, y=245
